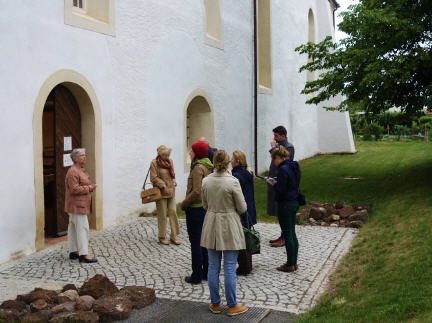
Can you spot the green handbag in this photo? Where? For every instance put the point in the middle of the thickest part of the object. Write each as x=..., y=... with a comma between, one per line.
x=252, y=238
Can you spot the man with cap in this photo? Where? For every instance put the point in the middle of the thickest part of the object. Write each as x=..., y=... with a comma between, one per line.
x=201, y=166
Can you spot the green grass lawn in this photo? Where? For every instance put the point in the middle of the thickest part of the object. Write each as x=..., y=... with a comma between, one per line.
x=390, y=262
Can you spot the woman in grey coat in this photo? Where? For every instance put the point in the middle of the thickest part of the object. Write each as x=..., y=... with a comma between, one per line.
x=222, y=232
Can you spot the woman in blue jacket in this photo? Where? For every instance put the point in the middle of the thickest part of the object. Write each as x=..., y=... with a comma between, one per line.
x=244, y=174
x=286, y=188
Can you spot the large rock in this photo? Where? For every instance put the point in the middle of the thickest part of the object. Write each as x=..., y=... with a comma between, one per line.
x=13, y=305
x=359, y=216
x=330, y=209
x=98, y=286
x=140, y=296
x=346, y=211
x=335, y=217
x=77, y=317
x=85, y=303
x=302, y=216
x=9, y=315
x=64, y=307
x=48, y=296
x=69, y=287
x=340, y=204
x=36, y=317
x=113, y=308
x=67, y=296
x=38, y=305
x=317, y=213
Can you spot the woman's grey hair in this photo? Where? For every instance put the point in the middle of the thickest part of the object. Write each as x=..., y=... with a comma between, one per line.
x=75, y=152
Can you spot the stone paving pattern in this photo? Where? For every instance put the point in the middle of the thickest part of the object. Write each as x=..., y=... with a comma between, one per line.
x=129, y=254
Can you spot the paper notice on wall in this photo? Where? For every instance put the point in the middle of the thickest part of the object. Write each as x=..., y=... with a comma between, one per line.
x=67, y=143
x=67, y=160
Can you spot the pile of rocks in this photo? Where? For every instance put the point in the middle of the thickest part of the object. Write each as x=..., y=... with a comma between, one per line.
x=337, y=214
x=98, y=300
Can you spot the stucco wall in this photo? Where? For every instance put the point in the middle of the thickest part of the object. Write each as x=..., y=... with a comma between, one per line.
x=142, y=78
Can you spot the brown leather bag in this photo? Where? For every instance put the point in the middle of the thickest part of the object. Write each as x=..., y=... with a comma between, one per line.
x=150, y=194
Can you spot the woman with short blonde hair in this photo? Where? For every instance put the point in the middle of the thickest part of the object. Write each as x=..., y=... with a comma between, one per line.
x=162, y=176
x=222, y=232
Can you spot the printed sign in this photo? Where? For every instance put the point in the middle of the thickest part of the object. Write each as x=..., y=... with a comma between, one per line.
x=67, y=160
x=67, y=143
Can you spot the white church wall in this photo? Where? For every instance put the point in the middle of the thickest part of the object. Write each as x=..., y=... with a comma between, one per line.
x=33, y=48
x=142, y=78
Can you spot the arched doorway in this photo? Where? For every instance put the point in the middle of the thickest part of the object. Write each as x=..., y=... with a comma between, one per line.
x=61, y=132
x=66, y=106
x=199, y=121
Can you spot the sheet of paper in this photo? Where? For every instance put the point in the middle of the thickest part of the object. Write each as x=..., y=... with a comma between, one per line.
x=67, y=143
x=67, y=160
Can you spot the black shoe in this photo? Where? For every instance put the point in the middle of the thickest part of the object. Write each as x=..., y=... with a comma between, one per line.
x=188, y=279
x=88, y=261
x=73, y=256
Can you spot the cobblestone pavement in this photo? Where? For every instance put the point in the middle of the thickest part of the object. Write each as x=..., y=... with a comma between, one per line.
x=129, y=254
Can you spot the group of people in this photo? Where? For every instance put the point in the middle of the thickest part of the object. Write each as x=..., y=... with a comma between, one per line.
x=219, y=202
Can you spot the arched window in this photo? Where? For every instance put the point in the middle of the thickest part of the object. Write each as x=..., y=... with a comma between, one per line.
x=213, y=23
x=264, y=47
x=311, y=38
x=199, y=123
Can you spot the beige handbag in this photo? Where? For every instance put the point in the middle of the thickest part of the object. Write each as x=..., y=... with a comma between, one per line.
x=151, y=194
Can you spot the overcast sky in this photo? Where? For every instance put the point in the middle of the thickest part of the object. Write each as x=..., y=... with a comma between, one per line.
x=343, y=7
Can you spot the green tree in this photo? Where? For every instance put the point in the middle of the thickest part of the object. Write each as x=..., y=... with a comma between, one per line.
x=385, y=62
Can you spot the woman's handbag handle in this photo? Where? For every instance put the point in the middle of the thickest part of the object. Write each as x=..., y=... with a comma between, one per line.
x=146, y=178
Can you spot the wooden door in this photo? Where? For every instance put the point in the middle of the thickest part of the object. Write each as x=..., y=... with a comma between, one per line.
x=67, y=125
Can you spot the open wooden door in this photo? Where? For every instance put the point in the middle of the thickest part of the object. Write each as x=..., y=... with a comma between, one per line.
x=62, y=133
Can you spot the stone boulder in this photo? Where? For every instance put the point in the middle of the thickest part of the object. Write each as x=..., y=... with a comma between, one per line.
x=334, y=217
x=317, y=213
x=140, y=296
x=85, y=303
x=359, y=216
x=77, y=317
x=67, y=296
x=113, y=308
x=13, y=305
x=98, y=286
x=330, y=209
x=36, y=317
x=64, y=307
x=9, y=315
x=39, y=305
x=48, y=296
x=340, y=204
x=69, y=287
x=346, y=211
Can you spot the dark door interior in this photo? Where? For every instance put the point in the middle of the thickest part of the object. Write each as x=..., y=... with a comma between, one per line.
x=61, y=126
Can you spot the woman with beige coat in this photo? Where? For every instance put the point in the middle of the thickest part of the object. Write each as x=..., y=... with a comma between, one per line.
x=162, y=176
x=222, y=232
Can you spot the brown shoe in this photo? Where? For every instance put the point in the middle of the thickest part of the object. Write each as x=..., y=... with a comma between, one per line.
x=236, y=310
x=280, y=243
x=285, y=268
x=295, y=266
x=275, y=240
x=214, y=308
x=163, y=241
x=175, y=240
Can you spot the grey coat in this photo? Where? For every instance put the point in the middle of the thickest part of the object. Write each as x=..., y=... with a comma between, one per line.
x=223, y=199
x=271, y=202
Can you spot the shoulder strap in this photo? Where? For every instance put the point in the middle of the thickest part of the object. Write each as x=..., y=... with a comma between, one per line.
x=146, y=177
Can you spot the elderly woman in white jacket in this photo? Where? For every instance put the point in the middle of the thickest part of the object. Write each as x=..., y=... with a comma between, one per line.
x=222, y=231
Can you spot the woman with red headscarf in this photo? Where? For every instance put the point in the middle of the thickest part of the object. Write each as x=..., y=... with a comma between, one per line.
x=201, y=166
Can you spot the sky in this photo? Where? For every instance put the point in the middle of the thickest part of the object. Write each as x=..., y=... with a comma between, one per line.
x=343, y=7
